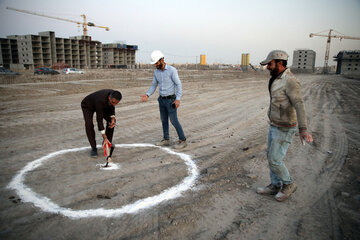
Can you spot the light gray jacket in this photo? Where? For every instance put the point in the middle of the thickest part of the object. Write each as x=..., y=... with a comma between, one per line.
x=287, y=107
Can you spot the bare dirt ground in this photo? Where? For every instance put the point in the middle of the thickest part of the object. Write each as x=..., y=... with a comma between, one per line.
x=223, y=114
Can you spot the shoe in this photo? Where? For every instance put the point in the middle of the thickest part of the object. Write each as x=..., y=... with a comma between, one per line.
x=164, y=142
x=93, y=152
x=181, y=144
x=268, y=190
x=286, y=191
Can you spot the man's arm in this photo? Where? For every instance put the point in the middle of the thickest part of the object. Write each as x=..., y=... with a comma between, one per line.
x=99, y=119
x=175, y=78
x=150, y=91
x=293, y=90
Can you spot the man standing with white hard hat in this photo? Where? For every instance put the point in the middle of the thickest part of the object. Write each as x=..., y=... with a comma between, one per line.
x=170, y=91
x=286, y=113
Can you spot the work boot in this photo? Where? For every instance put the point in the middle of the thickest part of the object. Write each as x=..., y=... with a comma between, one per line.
x=268, y=190
x=164, y=142
x=181, y=144
x=93, y=152
x=286, y=191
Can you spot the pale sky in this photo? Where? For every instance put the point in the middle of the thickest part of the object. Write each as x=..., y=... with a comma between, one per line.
x=184, y=29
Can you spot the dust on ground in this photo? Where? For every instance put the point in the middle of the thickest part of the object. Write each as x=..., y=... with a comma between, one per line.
x=223, y=114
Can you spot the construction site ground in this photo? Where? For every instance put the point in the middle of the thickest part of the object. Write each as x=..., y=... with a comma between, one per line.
x=223, y=114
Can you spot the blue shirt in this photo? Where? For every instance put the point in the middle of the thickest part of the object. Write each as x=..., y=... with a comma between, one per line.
x=168, y=81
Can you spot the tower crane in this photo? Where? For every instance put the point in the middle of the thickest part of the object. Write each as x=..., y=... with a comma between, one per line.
x=329, y=36
x=84, y=23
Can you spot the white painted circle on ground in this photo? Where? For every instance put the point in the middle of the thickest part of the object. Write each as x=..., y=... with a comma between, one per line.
x=45, y=204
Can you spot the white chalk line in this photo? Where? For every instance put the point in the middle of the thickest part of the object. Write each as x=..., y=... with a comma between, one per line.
x=45, y=204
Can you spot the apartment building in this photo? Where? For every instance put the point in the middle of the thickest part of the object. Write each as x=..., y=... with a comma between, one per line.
x=303, y=61
x=348, y=62
x=44, y=50
x=116, y=55
x=9, y=55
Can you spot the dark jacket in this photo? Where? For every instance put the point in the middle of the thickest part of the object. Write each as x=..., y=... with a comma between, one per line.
x=99, y=102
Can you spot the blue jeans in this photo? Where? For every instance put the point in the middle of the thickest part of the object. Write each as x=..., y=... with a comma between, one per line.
x=167, y=111
x=279, y=139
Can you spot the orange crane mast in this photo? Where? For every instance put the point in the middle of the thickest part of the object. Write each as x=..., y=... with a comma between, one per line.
x=329, y=36
x=84, y=23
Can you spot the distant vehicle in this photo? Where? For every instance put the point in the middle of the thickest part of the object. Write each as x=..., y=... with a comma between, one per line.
x=45, y=70
x=5, y=71
x=72, y=70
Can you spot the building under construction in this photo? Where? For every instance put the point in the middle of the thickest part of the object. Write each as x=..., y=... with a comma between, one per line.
x=46, y=50
x=348, y=62
x=303, y=61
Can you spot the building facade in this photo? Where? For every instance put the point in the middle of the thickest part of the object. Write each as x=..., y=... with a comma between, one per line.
x=117, y=55
x=303, y=61
x=348, y=62
x=9, y=55
x=46, y=50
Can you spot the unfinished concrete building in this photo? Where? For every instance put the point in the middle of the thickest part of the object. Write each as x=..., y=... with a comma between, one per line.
x=45, y=50
x=9, y=55
x=303, y=61
x=348, y=62
x=116, y=55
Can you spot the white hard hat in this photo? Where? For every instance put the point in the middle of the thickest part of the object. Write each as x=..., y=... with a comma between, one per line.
x=156, y=56
x=277, y=55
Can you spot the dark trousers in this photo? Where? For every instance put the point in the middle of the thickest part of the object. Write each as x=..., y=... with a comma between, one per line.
x=89, y=127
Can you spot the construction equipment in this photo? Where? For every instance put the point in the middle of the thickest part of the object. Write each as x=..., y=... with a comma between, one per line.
x=329, y=36
x=84, y=23
x=252, y=67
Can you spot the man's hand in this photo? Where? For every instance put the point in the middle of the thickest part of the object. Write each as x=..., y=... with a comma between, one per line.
x=177, y=103
x=106, y=141
x=144, y=97
x=305, y=137
x=113, y=123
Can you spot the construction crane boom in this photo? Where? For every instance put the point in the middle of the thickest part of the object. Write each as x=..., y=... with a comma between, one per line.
x=84, y=24
x=327, y=52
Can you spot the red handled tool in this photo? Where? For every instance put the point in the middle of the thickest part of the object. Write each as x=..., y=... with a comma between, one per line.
x=108, y=152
